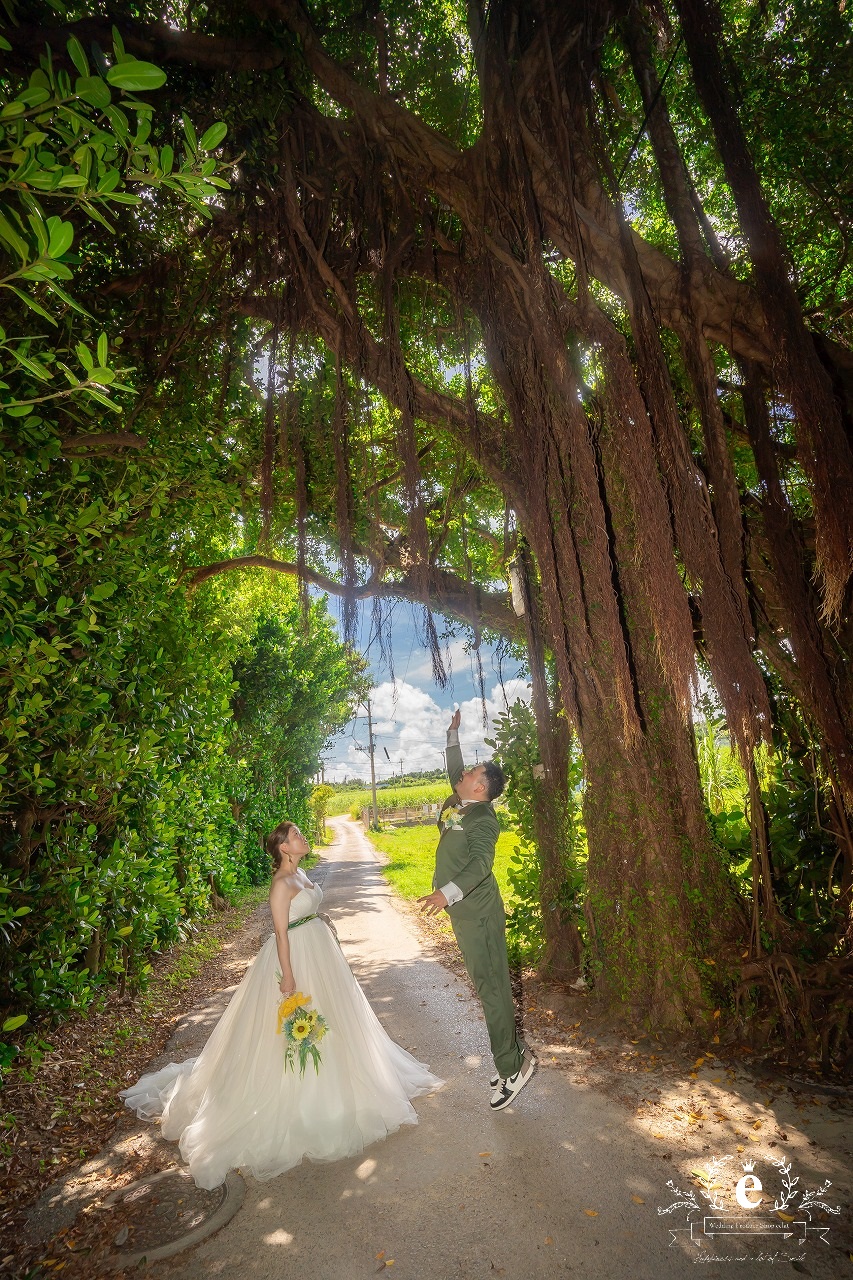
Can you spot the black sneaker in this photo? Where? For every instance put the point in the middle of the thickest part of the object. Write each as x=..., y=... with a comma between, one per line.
x=506, y=1090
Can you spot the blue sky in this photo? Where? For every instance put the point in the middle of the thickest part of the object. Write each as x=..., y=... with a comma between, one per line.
x=411, y=713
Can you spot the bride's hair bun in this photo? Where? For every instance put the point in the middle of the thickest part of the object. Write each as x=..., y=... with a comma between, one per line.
x=274, y=841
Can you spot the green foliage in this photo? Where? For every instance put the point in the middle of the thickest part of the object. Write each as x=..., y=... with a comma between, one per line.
x=517, y=751
x=147, y=739
x=71, y=145
x=295, y=685
x=796, y=795
x=320, y=797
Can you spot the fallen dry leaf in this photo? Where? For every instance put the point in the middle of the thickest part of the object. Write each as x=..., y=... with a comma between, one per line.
x=786, y=1217
x=638, y=1200
x=591, y=1213
x=380, y=1255
x=548, y=1240
x=483, y=1154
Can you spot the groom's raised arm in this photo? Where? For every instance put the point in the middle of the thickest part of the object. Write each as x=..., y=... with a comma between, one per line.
x=453, y=756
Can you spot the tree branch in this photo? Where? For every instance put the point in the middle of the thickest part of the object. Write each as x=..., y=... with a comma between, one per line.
x=448, y=593
x=159, y=43
x=103, y=444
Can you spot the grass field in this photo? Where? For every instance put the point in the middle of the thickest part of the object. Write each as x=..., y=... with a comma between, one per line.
x=354, y=799
x=411, y=851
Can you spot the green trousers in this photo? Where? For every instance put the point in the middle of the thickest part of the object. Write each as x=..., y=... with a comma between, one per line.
x=483, y=945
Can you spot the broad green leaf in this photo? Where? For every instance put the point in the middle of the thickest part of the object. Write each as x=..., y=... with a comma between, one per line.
x=93, y=90
x=34, y=96
x=103, y=349
x=212, y=137
x=84, y=355
x=61, y=237
x=136, y=77
x=67, y=299
x=102, y=399
x=109, y=182
x=30, y=302
x=77, y=56
x=12, y=1024
x=119, y=122
x=35, y=367
x=189, y=130
x=40, y=231
x=11, y=236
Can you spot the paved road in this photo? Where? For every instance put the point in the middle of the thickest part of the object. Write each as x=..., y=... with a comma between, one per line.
x=467, y=1193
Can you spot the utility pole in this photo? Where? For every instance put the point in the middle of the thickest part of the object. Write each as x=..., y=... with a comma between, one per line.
x=372, y=766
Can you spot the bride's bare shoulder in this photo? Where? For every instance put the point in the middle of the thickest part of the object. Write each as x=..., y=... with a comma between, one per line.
x=283, y=886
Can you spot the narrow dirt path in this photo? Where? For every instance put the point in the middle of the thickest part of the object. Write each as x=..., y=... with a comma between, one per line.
x=566, y=1182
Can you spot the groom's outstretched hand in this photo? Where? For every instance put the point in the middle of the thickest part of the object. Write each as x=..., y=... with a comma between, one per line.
x=433, y=902
x=456, y=721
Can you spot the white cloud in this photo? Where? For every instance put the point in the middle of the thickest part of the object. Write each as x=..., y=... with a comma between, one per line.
x=411, y=725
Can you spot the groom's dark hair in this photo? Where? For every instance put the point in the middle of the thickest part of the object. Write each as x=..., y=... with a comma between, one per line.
x=494, y=777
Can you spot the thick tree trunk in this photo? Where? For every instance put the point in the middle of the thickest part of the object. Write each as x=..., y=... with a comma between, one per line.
x=661, y=912
x=563, y=954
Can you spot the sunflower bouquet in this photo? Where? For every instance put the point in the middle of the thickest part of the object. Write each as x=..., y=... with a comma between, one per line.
x=303, y=1028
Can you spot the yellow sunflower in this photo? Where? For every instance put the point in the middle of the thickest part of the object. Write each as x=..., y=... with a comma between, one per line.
x=300, y=1028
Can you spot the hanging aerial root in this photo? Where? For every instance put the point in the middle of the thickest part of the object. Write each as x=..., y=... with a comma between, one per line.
x=808, y=1006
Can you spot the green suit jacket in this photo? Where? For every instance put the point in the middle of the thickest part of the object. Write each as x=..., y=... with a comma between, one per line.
x=466, y=852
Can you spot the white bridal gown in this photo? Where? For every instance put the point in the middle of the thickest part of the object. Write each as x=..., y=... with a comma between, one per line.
x=235, y=1106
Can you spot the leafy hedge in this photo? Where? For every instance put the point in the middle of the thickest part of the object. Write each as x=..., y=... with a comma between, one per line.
x=148, y=739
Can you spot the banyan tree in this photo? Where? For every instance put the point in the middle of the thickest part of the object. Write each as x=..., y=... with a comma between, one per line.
x=537, y=280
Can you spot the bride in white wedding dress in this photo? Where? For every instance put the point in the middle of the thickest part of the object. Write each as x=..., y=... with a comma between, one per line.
x=235, y=1106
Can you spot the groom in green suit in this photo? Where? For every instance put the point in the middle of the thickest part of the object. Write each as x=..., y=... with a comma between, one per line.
x=464, y=885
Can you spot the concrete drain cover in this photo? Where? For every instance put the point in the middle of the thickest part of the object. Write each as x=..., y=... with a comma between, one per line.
x=167, y=1212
